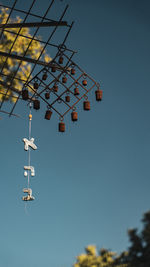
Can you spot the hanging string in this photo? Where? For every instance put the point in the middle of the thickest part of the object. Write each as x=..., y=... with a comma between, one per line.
x=29, y=157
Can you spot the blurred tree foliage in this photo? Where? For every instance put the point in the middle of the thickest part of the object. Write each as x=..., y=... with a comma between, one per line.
x=138, y=254
x=104, y=258
x=20, y=47
x=139, y=251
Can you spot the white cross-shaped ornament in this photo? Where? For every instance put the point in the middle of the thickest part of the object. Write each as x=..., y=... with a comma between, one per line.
x=28, y=143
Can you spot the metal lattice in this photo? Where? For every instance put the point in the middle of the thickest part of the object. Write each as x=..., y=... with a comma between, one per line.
x=59, y=84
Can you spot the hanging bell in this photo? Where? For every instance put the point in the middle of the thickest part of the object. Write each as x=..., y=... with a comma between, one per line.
x=73, y=71
x=53, y=69
x=47, y=95
x=36, y=86
x=44, y=77
x=76, y=91
x=36, y=104
x=48, y=114
x=86, y=105
x=55, y=88
x=84, y=82
x=64, y=79
x=67, y=98
x=74, y=116
x=61, y=60
x=61, y=127
x=25, y=94
x=99, y=94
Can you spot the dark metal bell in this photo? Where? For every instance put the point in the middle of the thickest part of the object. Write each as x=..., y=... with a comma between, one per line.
x=36, y=104
x=64, y=79
x=36, y=86
x=67, y=98
x=53, y=69
x=48, y=114
x=84, y=82
x=86, y=105
x=73, y=71
x=25, y=94
x=47, y=95
x=99, y=94
x=76, y=91
x=74, y=116
x=61, y=127
x=44, y=77
x=61, y=59
x=55, y=88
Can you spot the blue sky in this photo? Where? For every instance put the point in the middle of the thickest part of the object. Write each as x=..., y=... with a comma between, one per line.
x=92, y=182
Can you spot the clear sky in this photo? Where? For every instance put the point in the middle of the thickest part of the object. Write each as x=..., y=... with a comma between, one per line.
x=92, y=182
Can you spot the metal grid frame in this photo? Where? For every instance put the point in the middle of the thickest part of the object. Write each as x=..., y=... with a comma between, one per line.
x=53, y=78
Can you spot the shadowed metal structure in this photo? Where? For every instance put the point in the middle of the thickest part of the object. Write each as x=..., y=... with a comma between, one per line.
x=58, y=84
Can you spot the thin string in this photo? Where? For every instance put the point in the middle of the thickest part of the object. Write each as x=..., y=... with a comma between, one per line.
x=25, y=209
x=29, y=156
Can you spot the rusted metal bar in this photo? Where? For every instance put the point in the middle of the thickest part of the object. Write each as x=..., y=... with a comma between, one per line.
x=29, y=60
x=34, y=24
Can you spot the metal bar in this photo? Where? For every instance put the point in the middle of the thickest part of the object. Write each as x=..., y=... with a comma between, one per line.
x=79, y=100
x=10, y=87
x=25, y=12
x=49, y=7
x=12, y=8
x=73, y=63
x=68, y=33
x=13, y=96
x=40, y=41
x=49, y=105
x=27, y=59
x=49, y=40
x=58, y=77
x=15, y=78
x=34, y=24
x=13, y=45
x=58, y=96
x=47, y=43
x=9, y=113
x=31, y=60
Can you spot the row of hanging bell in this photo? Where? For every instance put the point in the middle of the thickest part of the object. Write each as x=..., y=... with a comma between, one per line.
x=25, y=96
x=61, y=125
x=61, y=60
x=86, y=104
x=98, y=93
x=48, y=114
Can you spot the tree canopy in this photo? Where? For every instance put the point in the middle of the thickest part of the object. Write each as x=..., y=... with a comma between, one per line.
x=137, y=255
x=19, y=45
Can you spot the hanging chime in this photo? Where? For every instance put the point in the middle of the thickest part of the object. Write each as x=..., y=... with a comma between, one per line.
x=29, y=170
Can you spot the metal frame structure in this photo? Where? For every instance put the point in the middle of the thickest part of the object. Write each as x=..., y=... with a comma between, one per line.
x=61, y=72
